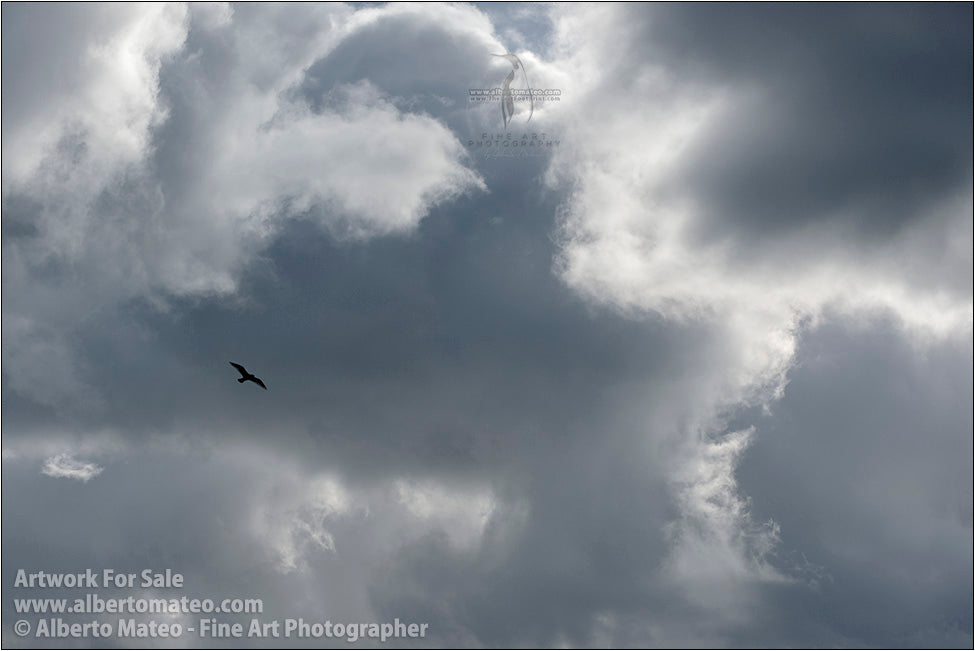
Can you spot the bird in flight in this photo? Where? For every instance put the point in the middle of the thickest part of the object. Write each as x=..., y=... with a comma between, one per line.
x=244, y=376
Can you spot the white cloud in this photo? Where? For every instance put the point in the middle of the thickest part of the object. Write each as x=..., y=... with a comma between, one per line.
x=718, y=551
x=291, y=518
x=461, y=514
x=297, y=514
x=368, y=165
x=628, y=240
x=167, y=153
x=104, y=96
x=68, y=467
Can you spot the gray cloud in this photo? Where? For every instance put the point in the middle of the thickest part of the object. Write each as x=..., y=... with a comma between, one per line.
x=868, y=485
x=651, y=390
x=210, y=163
x=851, y=118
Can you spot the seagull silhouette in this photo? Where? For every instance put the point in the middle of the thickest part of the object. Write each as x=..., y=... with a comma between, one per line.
x=244, y=376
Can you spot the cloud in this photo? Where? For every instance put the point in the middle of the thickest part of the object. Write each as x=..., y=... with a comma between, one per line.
x=98, y=104
x=461, y=515
x=364, y=167
x=64, y=465
x=170, y=156
x=643, y=230
x=674, y=228
x=651, y=391
x=637, y=235
x=861, y=460
x=293, y=531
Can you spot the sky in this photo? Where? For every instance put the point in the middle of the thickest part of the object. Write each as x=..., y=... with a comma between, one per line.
x=678, y=356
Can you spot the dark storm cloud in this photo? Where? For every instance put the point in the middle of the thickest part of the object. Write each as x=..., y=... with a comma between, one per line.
x=452, y=353
x=814, y=170
x=859, y=115
x=457, y=343
x=451, y=434
x=870, y=454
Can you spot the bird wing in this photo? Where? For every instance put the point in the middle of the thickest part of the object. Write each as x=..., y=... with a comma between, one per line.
x=243, y=371
x=258, y=380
